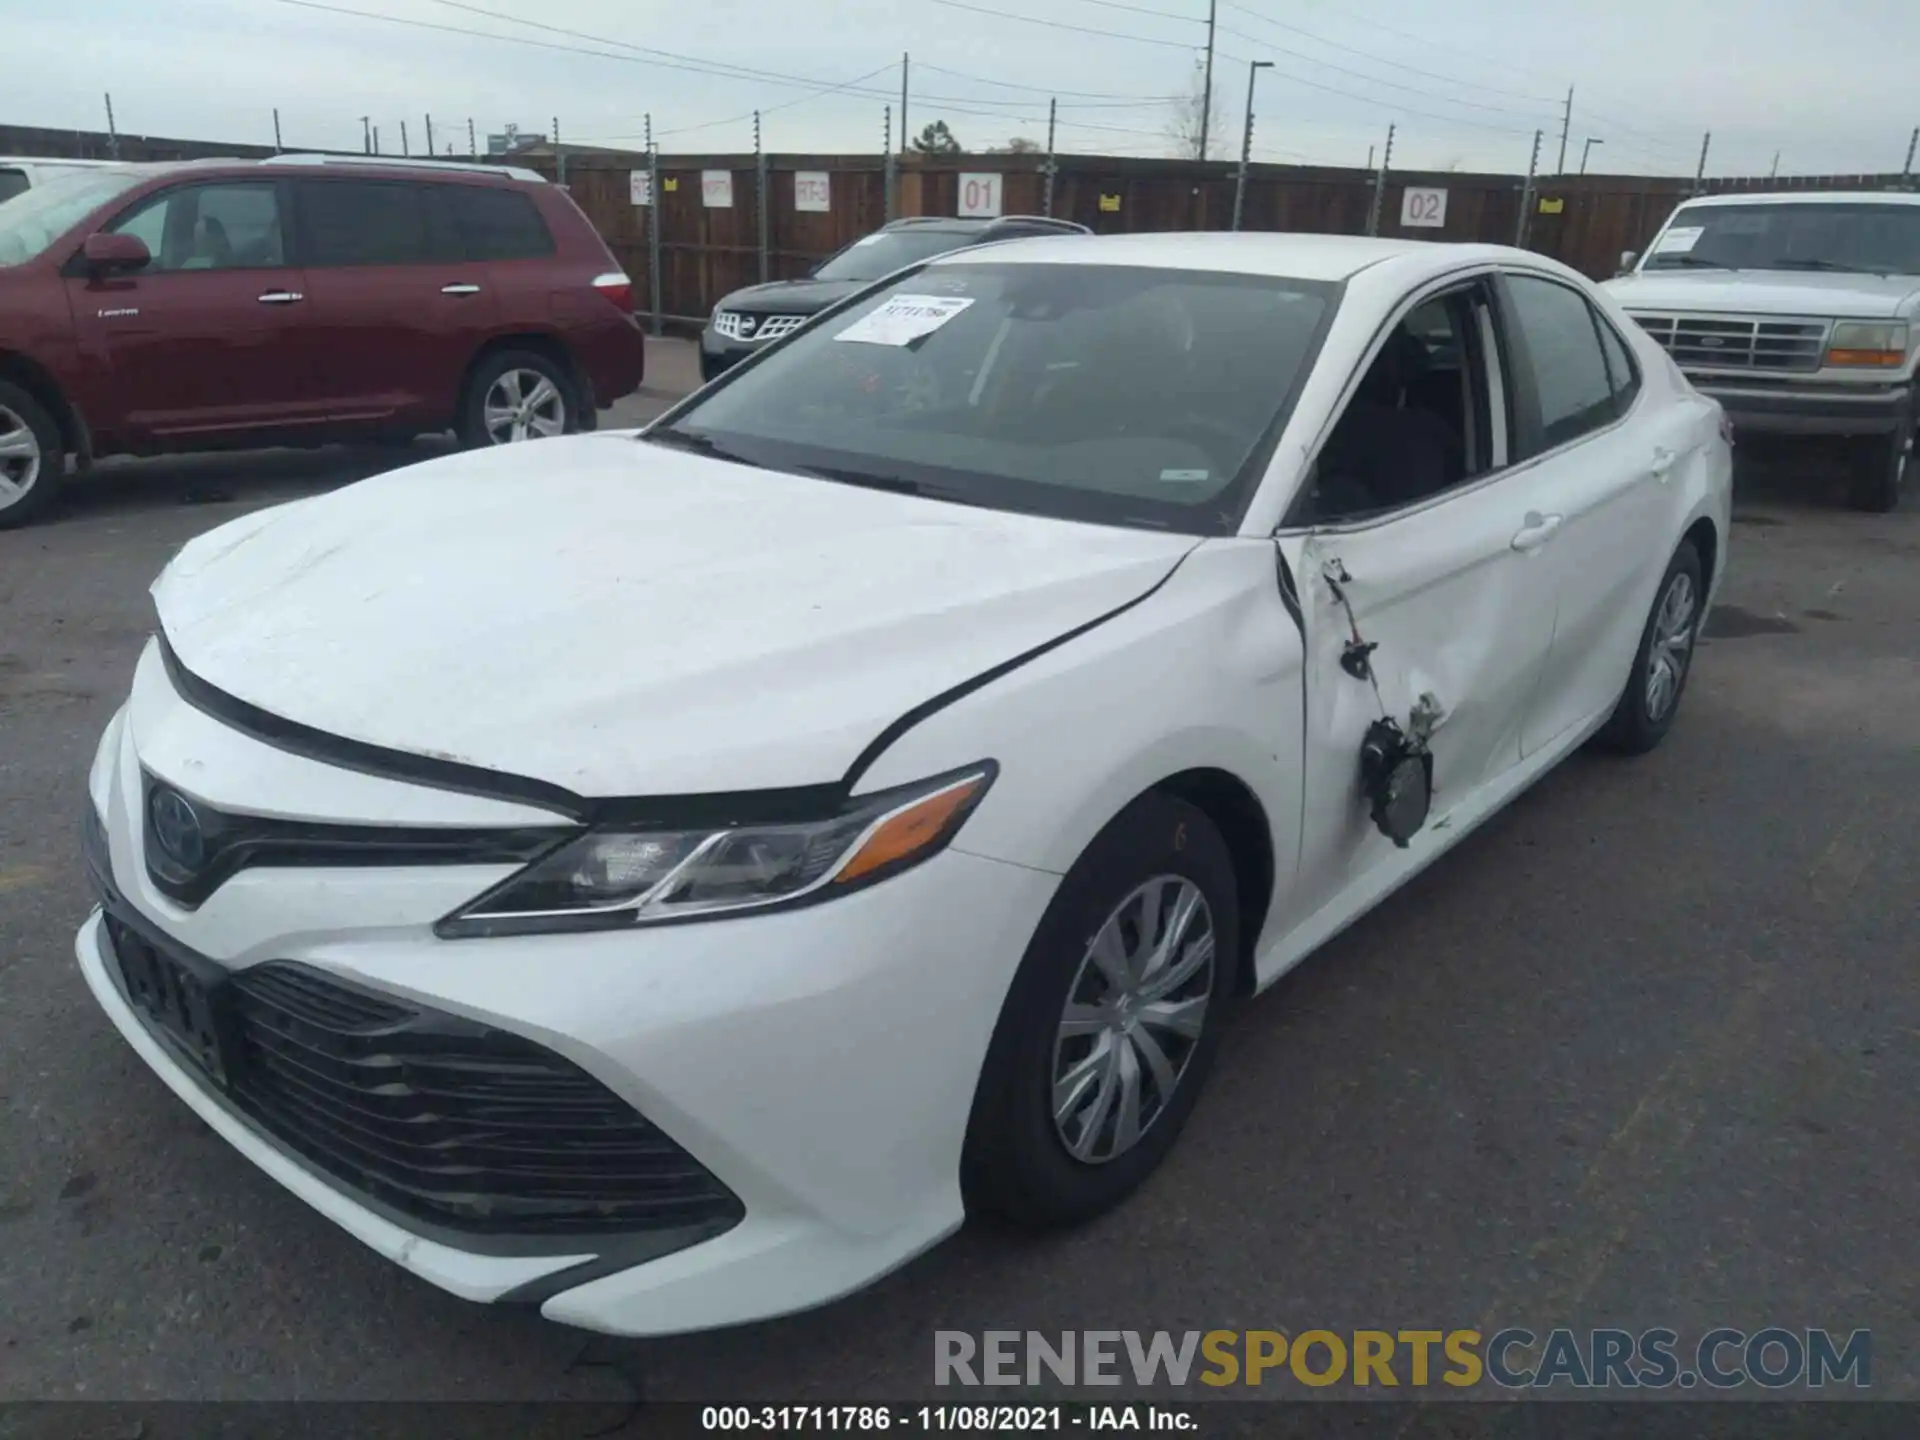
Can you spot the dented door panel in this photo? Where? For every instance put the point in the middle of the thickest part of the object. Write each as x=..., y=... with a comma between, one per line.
x=1453, y=612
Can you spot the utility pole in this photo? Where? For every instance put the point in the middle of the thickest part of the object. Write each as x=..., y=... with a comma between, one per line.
x=1526, y=196
x=1254, y=67
x=1206, y=84
x=113, y=135
x=1046, y=195
x=1566, y=123
x=760, y=198
x=404, y=150
x=886, y=149
x=559, y=154
x=1370, y=150
x=1587, y=149
x=429, y=120
x=653, y=226
x=376, y=140
x=366, y=134
x=1380, y=185
x=1773, y=171
x=1700, y=175
x=905, y=61
x=473, y=146
x=1913, y=144
x=276, y=129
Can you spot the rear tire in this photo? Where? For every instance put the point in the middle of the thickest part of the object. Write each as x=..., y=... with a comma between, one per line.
x=1069, y=1032
x=514, y=396
x=1880, y=463
x=1664, y=660
x=33, y=457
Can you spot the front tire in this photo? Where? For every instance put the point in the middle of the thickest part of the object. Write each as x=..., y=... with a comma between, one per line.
x=514, y=396
x=1111, y=1023
x=33, y=458
x=1664, y=660
x=1880, y=465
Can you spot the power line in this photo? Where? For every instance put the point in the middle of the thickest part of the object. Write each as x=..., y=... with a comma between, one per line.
x=1046, y=90
x=1057, y=25
x=1390, y=106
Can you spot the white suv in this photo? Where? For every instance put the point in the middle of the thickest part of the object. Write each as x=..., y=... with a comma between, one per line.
x=1798, y=313
x=20, y=173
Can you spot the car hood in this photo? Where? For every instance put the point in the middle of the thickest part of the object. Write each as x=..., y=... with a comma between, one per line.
x=621, y=619
x=1767, y=292
x=790, y=297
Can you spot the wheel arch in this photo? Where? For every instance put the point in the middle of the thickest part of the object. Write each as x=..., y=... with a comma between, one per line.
x=38, y=382
x=544, y=343
x=1236, y=812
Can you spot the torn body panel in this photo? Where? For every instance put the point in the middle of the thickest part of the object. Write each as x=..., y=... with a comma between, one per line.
x=1459, y=624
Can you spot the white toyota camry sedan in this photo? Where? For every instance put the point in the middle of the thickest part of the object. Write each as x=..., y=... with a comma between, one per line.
x=669, y=878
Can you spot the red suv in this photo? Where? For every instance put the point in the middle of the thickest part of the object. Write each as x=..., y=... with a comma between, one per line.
x=301, y=300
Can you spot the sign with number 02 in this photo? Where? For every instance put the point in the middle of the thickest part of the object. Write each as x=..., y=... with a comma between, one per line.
x=1423, y=209
x=980, y=196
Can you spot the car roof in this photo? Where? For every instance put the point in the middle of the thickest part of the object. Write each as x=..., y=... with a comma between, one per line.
x=303, y=163
x=1283, y=255
x=56, y=160
x=1807, y=197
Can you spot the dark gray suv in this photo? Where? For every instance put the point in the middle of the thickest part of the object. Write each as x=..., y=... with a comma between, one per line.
x=750, y=318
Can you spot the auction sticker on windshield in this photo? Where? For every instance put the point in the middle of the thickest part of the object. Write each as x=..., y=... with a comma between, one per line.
x=905, y=319
x=1679, y=239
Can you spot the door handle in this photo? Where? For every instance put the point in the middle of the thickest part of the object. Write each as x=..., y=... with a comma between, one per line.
x=1663, y=459
x=459, y=289
x=281, y=297
x=1536, y=531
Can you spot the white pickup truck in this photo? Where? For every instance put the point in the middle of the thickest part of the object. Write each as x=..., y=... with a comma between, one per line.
x=1798, y=312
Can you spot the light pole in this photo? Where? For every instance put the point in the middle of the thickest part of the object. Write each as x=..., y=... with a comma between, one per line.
x=1587, y=149
x=1254, y=67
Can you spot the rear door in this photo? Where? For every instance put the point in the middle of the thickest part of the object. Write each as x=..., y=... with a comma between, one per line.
x=204, y=341
x=1602, y=461
x=396, y=308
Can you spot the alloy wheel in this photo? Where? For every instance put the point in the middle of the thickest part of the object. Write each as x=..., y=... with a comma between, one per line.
x=523, y=405
x=1672, y=647
x=20, y=457
x=1134, y=1015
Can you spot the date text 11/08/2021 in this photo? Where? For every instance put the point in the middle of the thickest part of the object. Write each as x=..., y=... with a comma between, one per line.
x=934, y=1419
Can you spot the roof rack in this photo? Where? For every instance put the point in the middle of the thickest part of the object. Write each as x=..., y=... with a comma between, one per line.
x=477, y=167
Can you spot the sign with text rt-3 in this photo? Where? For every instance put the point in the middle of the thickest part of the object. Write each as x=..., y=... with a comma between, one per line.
x=812, y=191
x=716, y=189
x=979, y=196
x=1422, y=208
x=640, y=187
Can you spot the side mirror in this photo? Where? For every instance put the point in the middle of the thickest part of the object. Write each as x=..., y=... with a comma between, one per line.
x=1627, y=258
x=109, y=254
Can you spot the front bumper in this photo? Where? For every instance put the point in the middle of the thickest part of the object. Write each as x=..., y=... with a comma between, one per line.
x=820, y=1063
x=719, y=354
x=1809, y=409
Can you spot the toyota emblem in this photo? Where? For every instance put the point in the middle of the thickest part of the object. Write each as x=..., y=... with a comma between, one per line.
x=177, y=830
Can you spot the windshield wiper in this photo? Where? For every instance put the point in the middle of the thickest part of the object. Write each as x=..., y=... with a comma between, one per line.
x=699, y=444
x=1665, y=262
x=1833, y=265
x=866, y=480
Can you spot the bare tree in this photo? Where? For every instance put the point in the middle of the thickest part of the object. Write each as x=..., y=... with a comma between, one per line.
x=1190, y=119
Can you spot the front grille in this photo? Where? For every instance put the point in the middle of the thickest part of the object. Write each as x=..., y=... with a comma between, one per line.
x=1739, y=342
x=757, y=328
x=454, y=1122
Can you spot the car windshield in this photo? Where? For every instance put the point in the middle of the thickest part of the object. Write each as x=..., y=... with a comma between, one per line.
x=1122, y=395
x=1866, y=237
x=29, y=223
x=885, y=251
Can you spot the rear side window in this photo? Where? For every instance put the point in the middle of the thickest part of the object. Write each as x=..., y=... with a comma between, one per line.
x=363, y=222
x=1621, y=370
x=497, y=224
x=1570, y=375
x=12, y=183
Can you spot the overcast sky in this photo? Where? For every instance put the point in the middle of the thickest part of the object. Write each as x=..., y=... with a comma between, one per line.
x=1828, y=86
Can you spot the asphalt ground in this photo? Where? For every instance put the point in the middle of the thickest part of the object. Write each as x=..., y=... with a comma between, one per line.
x=1643, y=1051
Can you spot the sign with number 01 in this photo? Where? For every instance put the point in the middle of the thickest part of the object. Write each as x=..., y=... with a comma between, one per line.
x=812, y=191
x=980, y=196
x=1423, y=209
x=716, y=189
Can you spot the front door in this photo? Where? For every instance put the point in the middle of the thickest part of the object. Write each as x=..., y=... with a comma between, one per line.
x=397, y=309
x=205, y=340
x=1418, y=587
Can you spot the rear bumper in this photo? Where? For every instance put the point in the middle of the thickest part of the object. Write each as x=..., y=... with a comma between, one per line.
x=614, y=360
x=1811, y=410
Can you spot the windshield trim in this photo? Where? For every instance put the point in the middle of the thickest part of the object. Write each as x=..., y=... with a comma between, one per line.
x=1224, y=518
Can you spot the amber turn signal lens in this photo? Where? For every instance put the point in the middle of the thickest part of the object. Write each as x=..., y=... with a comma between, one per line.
x=1865, y=357
x=907, y=832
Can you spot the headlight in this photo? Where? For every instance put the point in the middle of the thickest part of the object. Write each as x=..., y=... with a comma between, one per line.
x=1868, y=342
x=616, y=876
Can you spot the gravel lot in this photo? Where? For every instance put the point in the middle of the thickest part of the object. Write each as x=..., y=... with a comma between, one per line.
x=1643, y=1051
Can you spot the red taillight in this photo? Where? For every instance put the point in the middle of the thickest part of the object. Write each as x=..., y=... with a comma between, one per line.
x=617, y=289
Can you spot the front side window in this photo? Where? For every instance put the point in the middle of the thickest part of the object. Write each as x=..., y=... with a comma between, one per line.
x=32, y=221
x=885, y=251
x=363, y=222
x=209, y=227
x=1558, y=329
x=1874, y=238
x=1123, y=395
